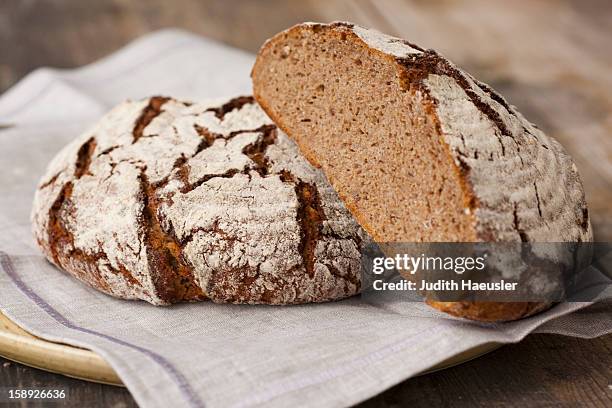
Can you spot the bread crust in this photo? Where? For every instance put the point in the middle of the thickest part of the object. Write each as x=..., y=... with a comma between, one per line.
x=489, y=143
x=490, y=311
x=169, y=201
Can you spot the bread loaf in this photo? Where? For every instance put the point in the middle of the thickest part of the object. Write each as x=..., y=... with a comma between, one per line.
x=169, y=201
x=418, y=149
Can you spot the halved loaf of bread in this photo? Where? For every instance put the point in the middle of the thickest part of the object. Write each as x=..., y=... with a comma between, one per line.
x=418, y=149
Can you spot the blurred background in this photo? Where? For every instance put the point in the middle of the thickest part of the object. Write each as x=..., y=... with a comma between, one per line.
x=551, y=58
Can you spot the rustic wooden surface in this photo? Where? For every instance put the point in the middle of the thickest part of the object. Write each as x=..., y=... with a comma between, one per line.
x=549, y=58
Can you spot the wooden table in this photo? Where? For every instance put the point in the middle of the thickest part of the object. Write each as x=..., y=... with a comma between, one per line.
x=550, y=58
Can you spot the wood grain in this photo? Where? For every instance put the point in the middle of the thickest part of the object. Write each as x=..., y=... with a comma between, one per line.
x=550, y=58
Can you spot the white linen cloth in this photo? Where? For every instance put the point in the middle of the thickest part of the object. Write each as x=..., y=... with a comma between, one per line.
x=204, y=354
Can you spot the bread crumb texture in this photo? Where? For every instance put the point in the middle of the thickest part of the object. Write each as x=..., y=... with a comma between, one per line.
x=418, y=149
x=169, y=201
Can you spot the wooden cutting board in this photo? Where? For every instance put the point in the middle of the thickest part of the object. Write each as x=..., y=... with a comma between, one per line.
x=18, y=345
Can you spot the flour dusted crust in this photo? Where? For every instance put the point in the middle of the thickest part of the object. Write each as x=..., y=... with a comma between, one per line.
x=517, y=183
x=169, y=201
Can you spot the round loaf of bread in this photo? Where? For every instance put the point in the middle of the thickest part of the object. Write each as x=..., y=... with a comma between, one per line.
x=418, y=149
x=168, y=201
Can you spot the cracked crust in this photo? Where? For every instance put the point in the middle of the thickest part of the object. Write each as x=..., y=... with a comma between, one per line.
x=168, y=201
x=367, y=97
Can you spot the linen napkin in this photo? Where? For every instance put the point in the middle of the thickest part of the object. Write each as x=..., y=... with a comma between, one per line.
x=204, y=354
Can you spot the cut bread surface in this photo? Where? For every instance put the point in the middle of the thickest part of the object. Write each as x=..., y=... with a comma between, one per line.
x=419, y=150
x=347, y=110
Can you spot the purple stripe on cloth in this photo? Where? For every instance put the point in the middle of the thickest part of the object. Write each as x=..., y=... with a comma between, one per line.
x=177, y=377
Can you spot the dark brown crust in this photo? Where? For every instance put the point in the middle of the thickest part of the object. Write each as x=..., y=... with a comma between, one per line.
x=173, y=277
x=310, y=218
x=148, y=114
x=411, y=72
x=231, y=105
x=490, y=311
x=419, y=66
x=60, y=241
x=257, y=151
x=84, y=158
